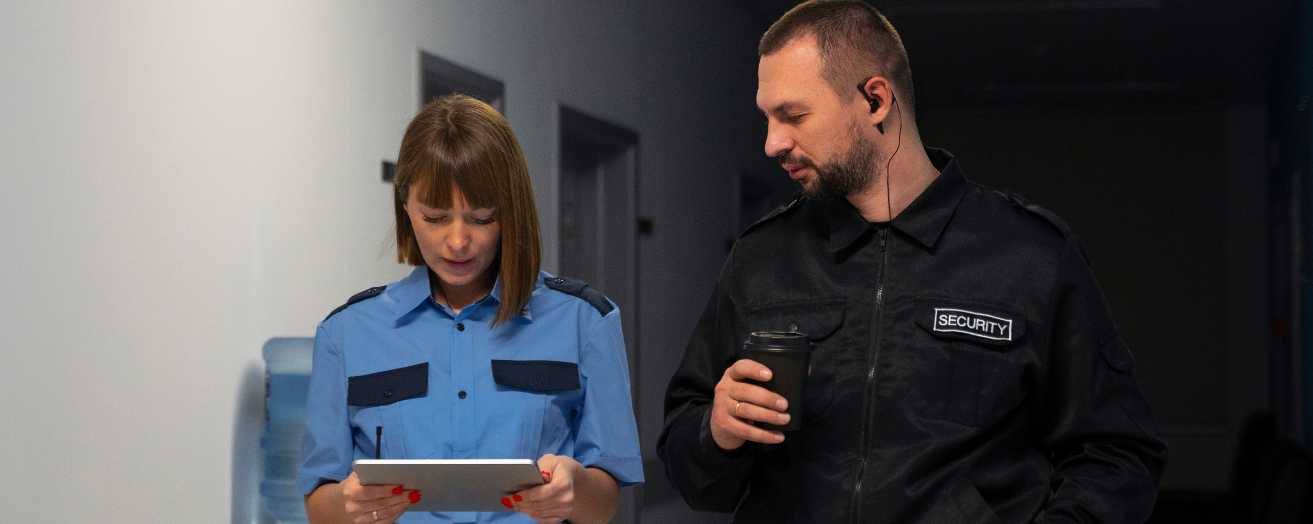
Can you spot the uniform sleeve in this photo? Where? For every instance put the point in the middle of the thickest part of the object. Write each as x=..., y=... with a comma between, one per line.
x=326, y=450
x=607, y=436
x=709, y=478
x=1099, y=433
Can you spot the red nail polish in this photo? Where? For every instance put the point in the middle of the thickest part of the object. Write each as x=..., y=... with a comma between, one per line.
x=506, y=502
x=517, y=498
x=414, y=497
x=547, y=475
x=397, y=490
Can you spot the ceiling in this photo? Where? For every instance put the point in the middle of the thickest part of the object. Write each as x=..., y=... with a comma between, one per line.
x=1082, y=52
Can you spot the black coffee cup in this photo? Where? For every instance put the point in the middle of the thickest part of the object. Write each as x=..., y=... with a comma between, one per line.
x=787, y=354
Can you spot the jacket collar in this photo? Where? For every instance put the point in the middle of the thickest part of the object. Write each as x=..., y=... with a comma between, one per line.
x=923, y=220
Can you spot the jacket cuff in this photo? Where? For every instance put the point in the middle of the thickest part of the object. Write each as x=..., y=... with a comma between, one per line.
x=711, y=454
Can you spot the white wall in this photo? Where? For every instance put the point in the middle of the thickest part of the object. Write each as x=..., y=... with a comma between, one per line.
x=184, y=180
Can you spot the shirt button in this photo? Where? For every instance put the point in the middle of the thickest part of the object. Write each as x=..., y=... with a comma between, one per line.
x=460, y=327
x=461, y=395
x=387, y=394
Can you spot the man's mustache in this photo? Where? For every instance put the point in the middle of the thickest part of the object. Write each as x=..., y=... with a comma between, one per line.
x=785, y=159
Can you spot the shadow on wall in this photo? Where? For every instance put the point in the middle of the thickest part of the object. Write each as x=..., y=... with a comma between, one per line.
x=1271, y=483
x=267, y=430
x=247, y=422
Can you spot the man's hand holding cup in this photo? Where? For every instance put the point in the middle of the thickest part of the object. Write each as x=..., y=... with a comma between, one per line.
x=738, y=403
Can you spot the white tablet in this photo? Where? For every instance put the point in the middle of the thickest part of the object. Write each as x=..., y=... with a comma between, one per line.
x=453, y=485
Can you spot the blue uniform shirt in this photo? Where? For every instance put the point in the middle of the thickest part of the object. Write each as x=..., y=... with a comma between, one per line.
x=552, y=379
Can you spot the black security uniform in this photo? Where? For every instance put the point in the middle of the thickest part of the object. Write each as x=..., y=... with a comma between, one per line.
x=965, y=369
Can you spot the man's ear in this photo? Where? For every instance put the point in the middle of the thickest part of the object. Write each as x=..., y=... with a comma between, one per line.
x=874, y=89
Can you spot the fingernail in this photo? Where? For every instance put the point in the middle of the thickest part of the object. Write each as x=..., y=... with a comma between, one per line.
x=781, y=405
x=765, y=374
x=506, y=502
x=397, y=490
x=414, y=497
x=784, y=419
x=517, y=498
x=547, y=475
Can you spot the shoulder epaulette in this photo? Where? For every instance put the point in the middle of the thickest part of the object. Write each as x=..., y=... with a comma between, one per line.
x=1036, y=209
x=579, y=288
x=363, y=295
x=797, y=198
x=1050, y=217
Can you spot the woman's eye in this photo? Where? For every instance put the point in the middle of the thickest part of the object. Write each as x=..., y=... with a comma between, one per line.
x=436, y=220
x=484, y=221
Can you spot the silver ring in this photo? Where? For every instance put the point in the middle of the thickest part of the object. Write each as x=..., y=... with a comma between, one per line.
x=375, y=515
x=736, y=407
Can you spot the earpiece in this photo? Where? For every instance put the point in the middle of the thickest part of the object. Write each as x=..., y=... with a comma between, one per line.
x=873, y=100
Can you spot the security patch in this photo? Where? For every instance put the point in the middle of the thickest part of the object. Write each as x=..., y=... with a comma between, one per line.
x=972, y=323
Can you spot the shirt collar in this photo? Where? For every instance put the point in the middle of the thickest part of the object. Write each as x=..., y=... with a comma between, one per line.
x=924, y=219
x=412, y=292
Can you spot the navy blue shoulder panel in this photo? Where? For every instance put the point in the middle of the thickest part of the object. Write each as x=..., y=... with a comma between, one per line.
x=363, y=295
x=774, y=213
x=579, y=288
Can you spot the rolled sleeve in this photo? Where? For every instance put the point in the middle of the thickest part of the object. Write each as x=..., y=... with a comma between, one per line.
x=607, y=435
x=326, y=450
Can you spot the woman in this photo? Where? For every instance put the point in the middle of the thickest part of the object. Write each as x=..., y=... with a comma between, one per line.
x=475, y=354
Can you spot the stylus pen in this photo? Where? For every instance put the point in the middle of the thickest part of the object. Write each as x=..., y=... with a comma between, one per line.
x=378, y=442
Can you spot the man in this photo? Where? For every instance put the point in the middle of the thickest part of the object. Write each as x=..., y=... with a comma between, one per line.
x=964, y=365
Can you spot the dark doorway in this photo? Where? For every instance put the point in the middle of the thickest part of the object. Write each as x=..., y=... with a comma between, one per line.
x=598, y=227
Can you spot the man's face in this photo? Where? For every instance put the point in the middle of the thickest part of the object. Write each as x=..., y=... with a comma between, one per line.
x=815, y=134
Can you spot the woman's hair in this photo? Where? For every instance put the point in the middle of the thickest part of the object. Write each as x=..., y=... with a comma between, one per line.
x=459, y=142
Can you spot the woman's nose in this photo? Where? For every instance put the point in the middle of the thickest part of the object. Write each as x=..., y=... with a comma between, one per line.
x=458, y=237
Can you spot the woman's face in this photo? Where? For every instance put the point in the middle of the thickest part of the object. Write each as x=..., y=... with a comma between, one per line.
x=458, y=243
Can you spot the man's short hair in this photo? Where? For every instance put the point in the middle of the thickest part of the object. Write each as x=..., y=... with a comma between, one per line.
x=855, y=41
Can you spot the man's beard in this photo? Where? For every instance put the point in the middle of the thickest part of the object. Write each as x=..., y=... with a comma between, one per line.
x=853, y=171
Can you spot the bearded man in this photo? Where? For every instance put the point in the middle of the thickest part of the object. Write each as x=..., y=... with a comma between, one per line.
x=964, y=364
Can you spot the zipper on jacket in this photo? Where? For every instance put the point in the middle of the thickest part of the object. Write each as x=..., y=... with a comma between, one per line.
x=868, y=402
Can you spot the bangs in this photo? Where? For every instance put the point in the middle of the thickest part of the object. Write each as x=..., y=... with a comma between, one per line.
x=468, y=170
x=463, y=144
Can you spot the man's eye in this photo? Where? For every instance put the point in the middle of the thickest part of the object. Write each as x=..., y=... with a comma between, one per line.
x=794, y=118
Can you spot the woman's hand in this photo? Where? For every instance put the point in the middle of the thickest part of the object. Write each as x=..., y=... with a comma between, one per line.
x=375, y=503
x=554, y=501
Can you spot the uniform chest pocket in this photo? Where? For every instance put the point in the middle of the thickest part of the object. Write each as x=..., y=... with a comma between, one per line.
x=817, y=320
x=543, y=397
x=541, y=376
x=821, y=321
x=371, y=400
x=387, y=387
x=978, y=374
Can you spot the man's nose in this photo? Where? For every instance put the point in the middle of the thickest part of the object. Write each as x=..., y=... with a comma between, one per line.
x=778, y=142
